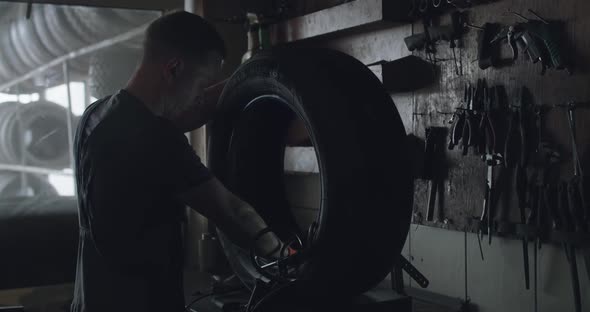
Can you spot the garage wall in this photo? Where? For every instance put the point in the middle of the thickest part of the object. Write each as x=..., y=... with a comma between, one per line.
x=496, y=284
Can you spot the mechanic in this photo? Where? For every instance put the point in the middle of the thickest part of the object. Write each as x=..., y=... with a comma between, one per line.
x=136, y=172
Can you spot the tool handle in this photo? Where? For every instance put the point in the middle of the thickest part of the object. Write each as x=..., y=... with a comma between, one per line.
x=584, y=200
x=550, y=36
x=413, y=272
x=431, y=201
x=522, y=147
x=452, y=140
x=509, y=161
x=521, y=187
x=457, y=131
x=574, y=204
x=485, y=50
x=416, y=42
x=531, y=46
x=451, y=145
x=550, y=197
x=489, y=134
x=563, y=209
x=571, y=251
x=466, y=135
x=533, y=204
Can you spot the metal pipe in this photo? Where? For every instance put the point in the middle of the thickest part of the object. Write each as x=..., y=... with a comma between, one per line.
x=32, y=169
x=23, y=176
x=198, y=225
x=74, y=54
x=70, y=116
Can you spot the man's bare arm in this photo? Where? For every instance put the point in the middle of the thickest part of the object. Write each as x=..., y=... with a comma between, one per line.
x=236, y=218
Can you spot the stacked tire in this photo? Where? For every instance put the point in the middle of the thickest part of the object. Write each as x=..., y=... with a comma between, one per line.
x=34, y=134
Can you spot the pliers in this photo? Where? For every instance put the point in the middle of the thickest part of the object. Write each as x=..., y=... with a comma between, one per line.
x=456, y=132
x=515, y=148
x=467, y=134
x=459, y=121
x=515, y=156
x=508, y=33
x=486, y=124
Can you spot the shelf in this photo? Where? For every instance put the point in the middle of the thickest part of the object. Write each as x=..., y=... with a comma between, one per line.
x=352, y=16
x=33, y=169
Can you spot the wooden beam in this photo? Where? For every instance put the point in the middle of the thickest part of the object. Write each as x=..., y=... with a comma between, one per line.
x=155, y=5
x=356, y=15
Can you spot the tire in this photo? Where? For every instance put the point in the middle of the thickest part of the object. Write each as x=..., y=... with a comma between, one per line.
x=358, y=135
x=42, y=127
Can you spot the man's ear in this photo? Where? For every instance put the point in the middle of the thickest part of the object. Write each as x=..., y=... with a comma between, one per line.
x=173, y=69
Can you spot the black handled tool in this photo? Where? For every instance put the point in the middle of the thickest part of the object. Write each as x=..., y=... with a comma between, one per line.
x=569, y=249
x=576, y=188
x=515, y=156
x=434, y=164
x=515, y=149
x=413, y=272
x=541, y=39
x=456, y=130
x=487, y=53
x=487, y=214
x=487, y=127
x=469, y=134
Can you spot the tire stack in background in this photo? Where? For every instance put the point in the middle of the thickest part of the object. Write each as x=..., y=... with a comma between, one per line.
x=54, y=31
x=34, y=134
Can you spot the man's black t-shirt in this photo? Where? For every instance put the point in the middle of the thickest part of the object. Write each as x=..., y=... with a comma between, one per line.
x=129, y=165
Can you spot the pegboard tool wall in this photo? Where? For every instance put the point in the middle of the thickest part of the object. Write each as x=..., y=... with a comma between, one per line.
x=464, y=186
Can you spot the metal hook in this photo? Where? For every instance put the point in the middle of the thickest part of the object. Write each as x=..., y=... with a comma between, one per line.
x=539, y=17
x=520, y=15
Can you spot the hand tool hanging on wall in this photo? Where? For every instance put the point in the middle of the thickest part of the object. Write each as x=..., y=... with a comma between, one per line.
x=487, y=53
x=491, y=158
x=466, y=122
x=458, y=121
x=569, y=249
x=433, y=34
x=576, y=203
x=487, y=124
x=577, y=188
x=470, y=135
x=515, y=156
x=541, y=39
x=487, y=215
x=545, y=159
x=434, y=165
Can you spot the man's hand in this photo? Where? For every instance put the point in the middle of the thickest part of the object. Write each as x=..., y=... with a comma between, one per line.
x=237, y=219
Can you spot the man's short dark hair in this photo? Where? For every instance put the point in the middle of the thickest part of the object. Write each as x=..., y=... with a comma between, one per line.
x=181, y=33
